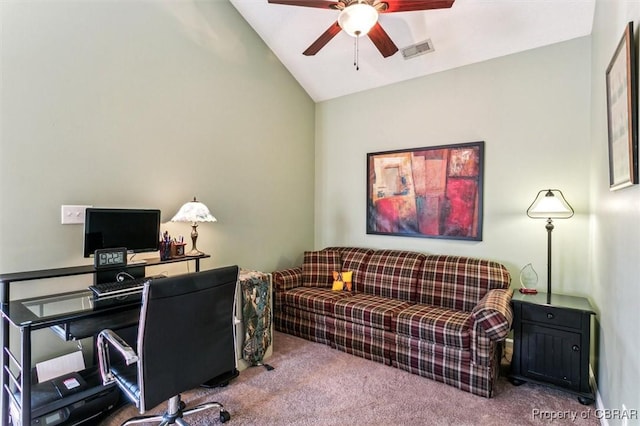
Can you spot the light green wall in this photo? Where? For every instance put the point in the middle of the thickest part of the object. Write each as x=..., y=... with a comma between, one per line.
x=532, y=111
x=615, y=230
x=542, y=114
x=146, y=104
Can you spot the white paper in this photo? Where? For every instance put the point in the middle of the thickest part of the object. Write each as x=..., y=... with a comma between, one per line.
x=60, y=366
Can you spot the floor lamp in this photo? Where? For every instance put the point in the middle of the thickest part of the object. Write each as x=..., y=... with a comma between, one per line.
x=549, y=204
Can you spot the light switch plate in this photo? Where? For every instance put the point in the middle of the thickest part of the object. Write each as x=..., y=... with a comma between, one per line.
x=70, y=215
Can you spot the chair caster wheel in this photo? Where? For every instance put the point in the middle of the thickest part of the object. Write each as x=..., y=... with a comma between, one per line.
x=224, y=416
x=585, y=401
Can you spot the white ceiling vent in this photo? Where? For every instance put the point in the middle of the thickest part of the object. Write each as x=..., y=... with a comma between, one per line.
x=418, y=49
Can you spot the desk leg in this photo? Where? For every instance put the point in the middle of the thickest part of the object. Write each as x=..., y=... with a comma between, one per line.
x=197, y=265
x=4, y=376
x=4, y=407
x=25, y=376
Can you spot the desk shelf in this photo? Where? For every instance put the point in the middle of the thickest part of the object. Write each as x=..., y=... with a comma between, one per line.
x=89, y=327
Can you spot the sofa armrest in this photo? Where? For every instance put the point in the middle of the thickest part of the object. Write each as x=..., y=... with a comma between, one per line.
x=493, y=314
x=287, y=279
x=491, y=321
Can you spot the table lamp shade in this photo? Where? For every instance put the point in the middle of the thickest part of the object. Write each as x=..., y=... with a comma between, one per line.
x=193, y=211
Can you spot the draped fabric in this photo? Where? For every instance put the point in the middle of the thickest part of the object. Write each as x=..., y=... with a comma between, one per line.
x=256, y=315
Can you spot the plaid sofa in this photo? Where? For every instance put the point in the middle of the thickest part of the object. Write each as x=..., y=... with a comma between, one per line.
x=441, y=317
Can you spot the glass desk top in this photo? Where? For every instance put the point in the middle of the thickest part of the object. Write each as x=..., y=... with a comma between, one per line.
x=63, y=307
x=58, y=305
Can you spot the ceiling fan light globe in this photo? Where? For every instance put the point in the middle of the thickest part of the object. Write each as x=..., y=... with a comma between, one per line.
x=357, y=19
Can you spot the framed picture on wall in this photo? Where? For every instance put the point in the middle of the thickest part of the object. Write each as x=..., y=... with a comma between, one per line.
x=622, y=119
x=431, y=192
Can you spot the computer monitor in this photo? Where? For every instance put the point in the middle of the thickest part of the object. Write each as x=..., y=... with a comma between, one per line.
x=138, y=230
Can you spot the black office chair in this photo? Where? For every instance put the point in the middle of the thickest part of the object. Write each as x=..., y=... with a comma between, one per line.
x=185, y=338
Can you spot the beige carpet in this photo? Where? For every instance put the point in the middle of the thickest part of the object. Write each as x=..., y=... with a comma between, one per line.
x=313, y=384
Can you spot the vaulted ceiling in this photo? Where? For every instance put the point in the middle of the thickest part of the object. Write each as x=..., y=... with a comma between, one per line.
x=470, y=31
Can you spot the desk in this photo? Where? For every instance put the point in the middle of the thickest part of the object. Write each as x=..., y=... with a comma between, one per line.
x=70, y=315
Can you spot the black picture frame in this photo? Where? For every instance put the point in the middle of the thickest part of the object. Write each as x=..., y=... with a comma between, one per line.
x=427, y=192
x=622, y=121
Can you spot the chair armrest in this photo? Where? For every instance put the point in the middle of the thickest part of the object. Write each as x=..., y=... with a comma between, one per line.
x=287, y=279
x=108, y=338
x=493, y=314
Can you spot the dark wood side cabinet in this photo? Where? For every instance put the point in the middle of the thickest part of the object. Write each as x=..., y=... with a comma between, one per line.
x=551, y=342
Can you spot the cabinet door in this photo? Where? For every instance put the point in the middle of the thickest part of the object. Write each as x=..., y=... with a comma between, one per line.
x=551, y=355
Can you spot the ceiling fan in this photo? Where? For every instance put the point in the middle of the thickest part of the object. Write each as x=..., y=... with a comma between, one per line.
x=360, y=17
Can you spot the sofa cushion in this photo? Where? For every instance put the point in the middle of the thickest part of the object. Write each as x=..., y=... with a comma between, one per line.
x=353, y=259
x=318, y=267
x=392, y=274
x=369, y=310
x=437, y=325
x=457, y=282
x=364, y=341
x=311, y=326
x=314, y=299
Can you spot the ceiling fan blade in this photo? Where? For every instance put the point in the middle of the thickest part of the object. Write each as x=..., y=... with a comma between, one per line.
x=381, y=39
x=323, y=40
x=321, y=4
x=413, y=5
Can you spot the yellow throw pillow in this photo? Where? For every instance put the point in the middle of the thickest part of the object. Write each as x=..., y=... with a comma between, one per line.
x=342, y=280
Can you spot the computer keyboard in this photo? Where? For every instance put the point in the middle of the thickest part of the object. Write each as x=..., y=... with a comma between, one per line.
x=119, y=288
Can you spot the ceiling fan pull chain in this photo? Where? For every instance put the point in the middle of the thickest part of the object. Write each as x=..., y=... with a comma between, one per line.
x=356, y=53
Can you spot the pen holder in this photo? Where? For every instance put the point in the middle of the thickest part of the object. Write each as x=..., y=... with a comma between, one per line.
x=165, y=250
x=177, y=249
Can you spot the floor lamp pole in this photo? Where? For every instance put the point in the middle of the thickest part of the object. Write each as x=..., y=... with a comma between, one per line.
x=549, y=228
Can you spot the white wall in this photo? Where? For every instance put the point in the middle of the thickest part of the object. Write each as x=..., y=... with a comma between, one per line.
x=615, y=228
x=146, y=104
x=532, y=111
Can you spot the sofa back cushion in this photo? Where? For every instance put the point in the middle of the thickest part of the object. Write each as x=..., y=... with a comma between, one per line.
x=353, y=259
x=391, y=273
x=457, y=282
x=318, y=267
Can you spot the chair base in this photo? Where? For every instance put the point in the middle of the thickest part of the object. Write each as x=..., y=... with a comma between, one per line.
x=176, y=412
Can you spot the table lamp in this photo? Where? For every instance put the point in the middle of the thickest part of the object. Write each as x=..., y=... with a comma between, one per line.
x=194, y=212
x=549, y=204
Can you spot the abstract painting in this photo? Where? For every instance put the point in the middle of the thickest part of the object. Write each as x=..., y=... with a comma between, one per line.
x=432, y=192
